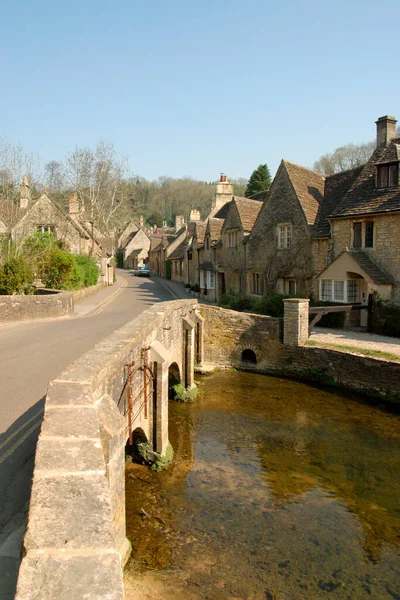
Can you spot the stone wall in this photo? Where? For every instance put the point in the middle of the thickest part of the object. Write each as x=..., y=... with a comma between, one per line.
x=386, y=250
x=75, y=541
x=228, y=333
x=42, y=306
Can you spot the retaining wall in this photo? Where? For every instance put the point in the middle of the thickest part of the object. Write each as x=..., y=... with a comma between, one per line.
x=227, y=333
x=75, y=541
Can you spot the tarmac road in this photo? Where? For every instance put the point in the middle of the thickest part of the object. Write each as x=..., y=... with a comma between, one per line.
x=31, y=355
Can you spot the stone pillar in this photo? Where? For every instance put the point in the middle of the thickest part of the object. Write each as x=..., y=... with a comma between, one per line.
x=200, y=337
x=295, y=321
x=188, y=329
x=160, y=356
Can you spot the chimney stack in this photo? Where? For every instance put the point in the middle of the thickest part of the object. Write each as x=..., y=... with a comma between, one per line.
x=195, y=215
x=25, y=194
x=385, y=130
x=179, y=222
x=223, y=193
x=73, y=205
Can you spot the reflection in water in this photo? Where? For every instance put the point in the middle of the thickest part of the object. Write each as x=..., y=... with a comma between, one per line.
x=278, y=490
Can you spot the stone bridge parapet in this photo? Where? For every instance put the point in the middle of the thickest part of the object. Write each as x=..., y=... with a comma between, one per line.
x=75, y=541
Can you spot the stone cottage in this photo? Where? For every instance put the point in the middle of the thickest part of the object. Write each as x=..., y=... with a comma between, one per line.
x=361, y=250
x=278, y=249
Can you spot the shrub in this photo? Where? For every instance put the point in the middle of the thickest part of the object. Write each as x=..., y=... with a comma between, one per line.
x=120, y=259
x=188, y=286
x=196, y=287
x=386, y=318
x=63, y=272
x=16, y=277
x=89, y=268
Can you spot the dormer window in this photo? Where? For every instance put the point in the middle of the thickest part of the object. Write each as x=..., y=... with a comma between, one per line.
x=387, y=175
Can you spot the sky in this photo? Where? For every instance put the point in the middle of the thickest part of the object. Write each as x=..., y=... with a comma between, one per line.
x=185, y=88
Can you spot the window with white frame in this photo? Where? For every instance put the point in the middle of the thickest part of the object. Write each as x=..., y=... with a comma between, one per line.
x=201, y=279
x=341, y=290
x=284, y=236
x=210, y=280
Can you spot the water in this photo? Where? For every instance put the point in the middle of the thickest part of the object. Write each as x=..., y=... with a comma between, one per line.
x=279, y=490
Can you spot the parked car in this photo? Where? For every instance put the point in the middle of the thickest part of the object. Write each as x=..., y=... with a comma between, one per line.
x=142, y=271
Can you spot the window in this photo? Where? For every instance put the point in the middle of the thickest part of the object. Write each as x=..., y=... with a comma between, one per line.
x=363, y=234
x=233, y=239
x=339, y=290
x=45, y=229
x=357, y=235
x=326, y=290
x=201, y=279
x=369, y=234
x=257, y=284
x=210, y=280
x=387, y=175
x=284, y=236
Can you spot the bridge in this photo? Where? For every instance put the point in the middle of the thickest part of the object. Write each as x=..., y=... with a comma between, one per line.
x=75, y=541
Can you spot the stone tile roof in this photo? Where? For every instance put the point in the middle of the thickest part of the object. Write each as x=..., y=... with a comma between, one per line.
x=363, y=198
x=260, y=196
x=154, y=243
x=309, y=189
x=207, y=266
x=200, y=231
x=336, y=186
x=214, y=226
x=223, y=211
x=377, y=274
x=178, y=253
x=248, y=210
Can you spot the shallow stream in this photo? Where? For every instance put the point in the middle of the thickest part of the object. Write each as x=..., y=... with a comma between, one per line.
x=278, y=491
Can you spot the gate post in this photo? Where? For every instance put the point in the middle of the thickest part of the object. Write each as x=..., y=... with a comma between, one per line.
x=295, y=321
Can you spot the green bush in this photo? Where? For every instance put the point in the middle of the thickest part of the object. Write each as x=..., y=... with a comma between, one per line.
x=63, y=273
x=271, y=305
x=89, y=268
x=16, y=277
x=386, y=319
x=168, y=269
x=196, y=287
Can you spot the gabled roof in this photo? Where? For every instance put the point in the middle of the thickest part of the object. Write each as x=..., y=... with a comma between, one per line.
x=363, y=198
x=260, y=196
x=370, y=267
x=336, y=186
x=309, y=189
x=223, y=211
x=248, y=210
x=365, y=263
x=178, y=253
x=214, y=227
x=200, y=231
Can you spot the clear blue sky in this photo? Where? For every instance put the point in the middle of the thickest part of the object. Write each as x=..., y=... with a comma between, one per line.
x=196, y=88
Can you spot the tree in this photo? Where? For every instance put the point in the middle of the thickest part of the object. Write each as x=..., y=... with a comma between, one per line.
x=97, y=176
x=344, y=158
x=260, y=181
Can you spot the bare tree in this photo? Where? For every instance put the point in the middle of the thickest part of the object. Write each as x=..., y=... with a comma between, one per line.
x=98, y=178
x=344, y=158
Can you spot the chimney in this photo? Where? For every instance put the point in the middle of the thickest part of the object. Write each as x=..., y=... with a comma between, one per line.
x=195, y=215
x=73, y=205
x=141, y=222
x=223, y=193
x=25, y=194
x=385, y=130
x=179, y=222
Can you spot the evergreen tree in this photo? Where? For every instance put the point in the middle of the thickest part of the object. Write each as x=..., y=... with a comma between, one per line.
x=260, y=180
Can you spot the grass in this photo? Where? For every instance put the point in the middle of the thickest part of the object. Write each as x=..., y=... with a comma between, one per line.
x=356, y=350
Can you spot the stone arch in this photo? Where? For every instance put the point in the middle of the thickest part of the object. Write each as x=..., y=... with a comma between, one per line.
x=174, y=377
x=248, y=357
x=140, y=447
